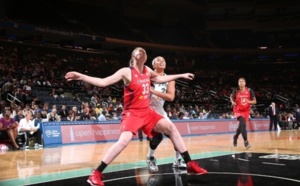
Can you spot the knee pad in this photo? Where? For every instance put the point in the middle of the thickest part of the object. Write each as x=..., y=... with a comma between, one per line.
x=155, y=141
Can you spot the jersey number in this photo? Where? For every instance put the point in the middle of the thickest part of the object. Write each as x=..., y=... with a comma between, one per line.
x=145, y=88
x=243, y=101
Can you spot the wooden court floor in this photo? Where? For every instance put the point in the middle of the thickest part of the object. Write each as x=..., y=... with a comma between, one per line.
x=29, y=167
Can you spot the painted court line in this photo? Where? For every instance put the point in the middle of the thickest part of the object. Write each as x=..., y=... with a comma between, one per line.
x=86, y=171
x=279, y=164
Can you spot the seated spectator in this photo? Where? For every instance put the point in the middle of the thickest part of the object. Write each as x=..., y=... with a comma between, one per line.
x=14, y=109
x=44, y=114
x=3, y=112
x=63, y=113
x=53, y=107
x=102, y=116
x=36, y=109
x=186, y=115
x=98, y=109
x=201, y=116
x=53, y=115
x=93, y=115
x=39, y=120
x=9, y=129
x=19, y=115
x=27, y=126
x=85, y=115
x=108, y=116
x=114, y=117
x=94, y=100
x=73, y=115
x=27, y=108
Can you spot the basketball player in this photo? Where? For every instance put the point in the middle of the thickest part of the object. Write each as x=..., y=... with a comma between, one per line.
x=241, y=100
x=160, y=93
x=137, y=113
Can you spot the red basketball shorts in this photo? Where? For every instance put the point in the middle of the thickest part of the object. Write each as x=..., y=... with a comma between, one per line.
x=145, y=119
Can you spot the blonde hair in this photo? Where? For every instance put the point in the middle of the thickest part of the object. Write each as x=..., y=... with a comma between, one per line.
x=131, y=61
x=28, y=113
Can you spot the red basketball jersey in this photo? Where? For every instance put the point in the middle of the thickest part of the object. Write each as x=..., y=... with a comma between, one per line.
x=137, y=94
x=240, y=98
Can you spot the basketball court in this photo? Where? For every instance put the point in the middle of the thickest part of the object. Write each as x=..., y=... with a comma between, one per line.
x=273, y=159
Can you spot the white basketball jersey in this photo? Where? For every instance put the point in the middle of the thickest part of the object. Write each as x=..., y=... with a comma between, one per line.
x=156, y=102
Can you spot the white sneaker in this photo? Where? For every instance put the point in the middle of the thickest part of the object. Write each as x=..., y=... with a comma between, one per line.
x=178, y=164
x=152, y=165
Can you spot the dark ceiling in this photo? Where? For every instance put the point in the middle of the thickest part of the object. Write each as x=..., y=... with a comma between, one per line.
x=225, y=24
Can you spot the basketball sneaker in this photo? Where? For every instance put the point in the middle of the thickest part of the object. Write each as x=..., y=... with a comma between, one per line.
x=95, y=178
x=247, y=145
x=178, y=164
x=194, y=168
x=234, y=140
x=151, y=162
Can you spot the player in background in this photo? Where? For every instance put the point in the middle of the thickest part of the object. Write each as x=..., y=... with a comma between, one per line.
x=241, y=99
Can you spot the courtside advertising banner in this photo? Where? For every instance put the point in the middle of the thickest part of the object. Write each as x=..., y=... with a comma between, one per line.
x=188, y=127
x=87, y=132
x=90, y=133
x=52, y=134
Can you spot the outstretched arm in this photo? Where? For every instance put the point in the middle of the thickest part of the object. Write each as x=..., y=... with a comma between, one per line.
x=100, y=82
x=155, y=78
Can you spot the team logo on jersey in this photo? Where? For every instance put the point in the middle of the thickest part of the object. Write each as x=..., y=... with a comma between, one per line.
x=141, y=97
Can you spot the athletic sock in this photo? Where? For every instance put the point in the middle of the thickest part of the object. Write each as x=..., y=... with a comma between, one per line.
x=186, y=156
x=102, y=166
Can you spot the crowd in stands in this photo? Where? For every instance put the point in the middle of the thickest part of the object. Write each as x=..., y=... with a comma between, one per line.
x=32, y=79
x=36, y=75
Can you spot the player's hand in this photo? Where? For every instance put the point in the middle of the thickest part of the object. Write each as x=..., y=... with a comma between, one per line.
x=151, y=89
x=188, y=76
x=233, y=103
x=73, y=76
